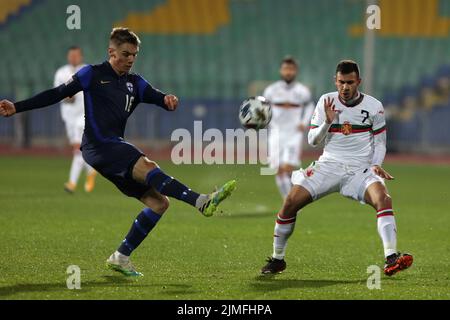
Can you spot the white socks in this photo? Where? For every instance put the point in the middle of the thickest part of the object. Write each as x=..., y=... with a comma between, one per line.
x=78, y=164
x=201, y=201
x=387, y=231
x=284, y=184
x=76, y=167
x=121, y=256
x=283, y=230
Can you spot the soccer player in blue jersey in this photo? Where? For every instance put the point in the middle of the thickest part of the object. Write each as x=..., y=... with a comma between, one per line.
x=111, y=93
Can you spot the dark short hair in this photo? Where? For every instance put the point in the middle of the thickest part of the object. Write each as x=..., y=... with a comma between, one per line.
x=121, y=35
x=75, y=47
x=289, y=60
x=347, y=66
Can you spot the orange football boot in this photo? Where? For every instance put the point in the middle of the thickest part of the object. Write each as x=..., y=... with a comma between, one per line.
x=69, y=187
x=90, y=182
x=397, y=262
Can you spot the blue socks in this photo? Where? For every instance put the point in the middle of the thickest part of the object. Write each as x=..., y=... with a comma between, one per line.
x=147, y=219
x=170, y=187
x=144, y=223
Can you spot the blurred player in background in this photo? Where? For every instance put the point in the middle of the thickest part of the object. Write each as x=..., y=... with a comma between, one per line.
x=354, y=129
x=111, y=94
x=292, y=108
x=72, y=112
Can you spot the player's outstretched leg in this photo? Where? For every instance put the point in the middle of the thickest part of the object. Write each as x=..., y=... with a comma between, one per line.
x=284, y=227
x=376, y=195
x=214, y=199
x=148, y=172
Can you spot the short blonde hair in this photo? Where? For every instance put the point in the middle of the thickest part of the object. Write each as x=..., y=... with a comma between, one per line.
x=122, y=35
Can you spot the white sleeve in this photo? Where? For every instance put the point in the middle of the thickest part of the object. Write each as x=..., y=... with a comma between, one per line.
x=318, y=128
x=379, y=121
x=379, y=151
x=379, y=136
x=267, y=94
x=307, y=111
x=307, y=114
x=58, y=79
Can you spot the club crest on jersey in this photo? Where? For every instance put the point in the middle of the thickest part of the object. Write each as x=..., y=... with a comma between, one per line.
x=346, y=128
x=130, y=87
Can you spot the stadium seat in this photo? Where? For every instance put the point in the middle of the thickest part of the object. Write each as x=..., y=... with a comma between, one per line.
x=221, y=53
x=219, y=49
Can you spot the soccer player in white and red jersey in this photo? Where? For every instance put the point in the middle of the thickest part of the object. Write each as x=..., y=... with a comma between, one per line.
x=292, y=108
x=72, y=113
x=352, y=124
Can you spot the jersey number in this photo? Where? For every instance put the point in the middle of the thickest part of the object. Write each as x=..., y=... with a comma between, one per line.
x=366, y=115
x=129, y=103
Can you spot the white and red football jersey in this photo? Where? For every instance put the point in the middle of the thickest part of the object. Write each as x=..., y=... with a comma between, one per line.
x=70, y=112
x=350, y=139
x=291, y=106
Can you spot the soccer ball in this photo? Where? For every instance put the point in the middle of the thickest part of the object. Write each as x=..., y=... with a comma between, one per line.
x=255, y=113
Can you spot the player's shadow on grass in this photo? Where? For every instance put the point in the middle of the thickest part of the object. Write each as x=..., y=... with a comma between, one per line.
x=109, y=281
x=272, y=283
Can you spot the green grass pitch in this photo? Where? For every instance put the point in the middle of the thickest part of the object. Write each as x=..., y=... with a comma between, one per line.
x=43, y=231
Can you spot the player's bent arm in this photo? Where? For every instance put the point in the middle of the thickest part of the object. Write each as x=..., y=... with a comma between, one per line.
x=379, y=136
x=317, y=134
x=154, y=96
x=148, y=94
x=379, y=149
x=378, y=156
x=319, y=124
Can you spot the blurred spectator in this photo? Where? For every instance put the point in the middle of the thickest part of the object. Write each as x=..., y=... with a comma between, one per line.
x=392, y=106
x=428, y=94
x=443, y=84
x=431, y=92
x=410, y=104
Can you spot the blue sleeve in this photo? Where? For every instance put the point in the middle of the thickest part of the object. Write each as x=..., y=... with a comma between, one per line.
x=79, y=81
x=50, y=97
x=148, y=94
x=84, y=76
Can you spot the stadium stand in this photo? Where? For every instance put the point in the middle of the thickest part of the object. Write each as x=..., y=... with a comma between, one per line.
x=9, y=9
x=416, y=113
x=212, y=52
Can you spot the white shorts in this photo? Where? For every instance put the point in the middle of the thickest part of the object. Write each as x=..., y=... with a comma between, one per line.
x=285, y=150
x=325, y=177
x=74, y=130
